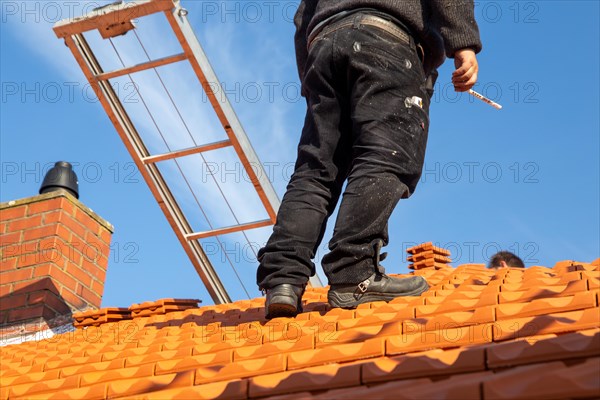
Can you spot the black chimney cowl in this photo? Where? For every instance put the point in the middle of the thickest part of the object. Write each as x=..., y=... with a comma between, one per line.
x=61, y=176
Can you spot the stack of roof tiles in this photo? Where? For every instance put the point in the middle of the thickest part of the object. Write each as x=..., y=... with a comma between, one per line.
x=426, y=255
x=475, y=334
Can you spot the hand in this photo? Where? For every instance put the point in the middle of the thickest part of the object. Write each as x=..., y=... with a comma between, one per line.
x=465, y=76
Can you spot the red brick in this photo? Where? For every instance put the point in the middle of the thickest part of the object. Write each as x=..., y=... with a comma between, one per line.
x=101, y=276
x=31, y=286
x=27, y=260
x=25, y=223
x=67, y=206
x=50, y=300
x=87, y=221
x=16, y=275
x=74, y=226
x=39, y=232
x=26, y=313
x=42, y=270
x=103, y=263
x=61, y=278
x=74, y=254
x=10, y=251
x=64, y=233
x=5, y=289
x=8, y=264
x=52, y=249
x=3, y=227
x=91, y=251
x=98, y=287
x=43, y=206
x=57, y=304
x=94, y=246
x=92, y=269
x=74, y=301
x=52, y=217
x=105, y=235
x=19, y=249
x=93, y=298
x=68, y=250
x=37, y=311
x=13, y=213
x=13, y=301
x=10, y=238
x=37, y=297
x=81, y=275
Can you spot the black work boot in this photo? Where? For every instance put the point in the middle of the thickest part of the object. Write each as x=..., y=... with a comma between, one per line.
x=284, y=300
x=378, y=287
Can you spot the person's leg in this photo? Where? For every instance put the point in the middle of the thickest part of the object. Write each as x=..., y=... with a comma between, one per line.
x=389, y=139
x=315, y=186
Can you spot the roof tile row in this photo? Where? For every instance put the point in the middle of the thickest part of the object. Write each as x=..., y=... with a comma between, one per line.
x=472, y=325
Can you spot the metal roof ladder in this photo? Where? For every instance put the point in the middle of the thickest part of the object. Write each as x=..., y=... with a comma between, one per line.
x=117, y=19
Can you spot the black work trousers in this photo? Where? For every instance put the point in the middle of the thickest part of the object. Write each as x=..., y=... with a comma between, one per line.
x=366, y=124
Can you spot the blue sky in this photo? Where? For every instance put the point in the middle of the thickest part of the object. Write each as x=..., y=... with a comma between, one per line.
x=525, y=178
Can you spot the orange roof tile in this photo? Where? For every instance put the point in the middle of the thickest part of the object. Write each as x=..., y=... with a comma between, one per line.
x=426, y=255
x=476, y=333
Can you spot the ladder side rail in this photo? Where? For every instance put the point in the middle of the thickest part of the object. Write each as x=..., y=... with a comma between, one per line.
x=233, y=127
x=177, y=18
x=154, y=179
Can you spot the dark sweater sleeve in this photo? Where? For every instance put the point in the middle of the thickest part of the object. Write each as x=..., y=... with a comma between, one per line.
x=455, y=20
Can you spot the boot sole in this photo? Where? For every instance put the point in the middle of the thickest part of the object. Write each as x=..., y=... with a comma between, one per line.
x=349, y=302
x=282, y=306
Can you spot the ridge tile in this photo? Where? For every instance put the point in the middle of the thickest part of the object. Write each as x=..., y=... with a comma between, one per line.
x=162, y=306
x=100, y=317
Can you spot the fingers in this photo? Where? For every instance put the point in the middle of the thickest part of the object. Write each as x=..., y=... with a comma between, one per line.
x=461, y=70
x=465, y=75
x=464, y=81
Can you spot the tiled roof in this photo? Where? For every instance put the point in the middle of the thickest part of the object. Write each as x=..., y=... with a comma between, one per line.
x=476, y=333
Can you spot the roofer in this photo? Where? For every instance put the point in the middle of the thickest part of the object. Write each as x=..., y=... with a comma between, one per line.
x=367, y=69
x=505, y=259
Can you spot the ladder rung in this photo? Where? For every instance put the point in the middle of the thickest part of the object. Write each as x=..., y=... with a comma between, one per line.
x=229, y=229
x=186, y=152
x=141, y=67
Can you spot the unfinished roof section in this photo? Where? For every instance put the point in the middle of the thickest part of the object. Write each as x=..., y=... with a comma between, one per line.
x=475, y=334
x=170, y=150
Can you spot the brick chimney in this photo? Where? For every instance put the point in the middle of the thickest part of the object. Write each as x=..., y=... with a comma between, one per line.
x=53, y=260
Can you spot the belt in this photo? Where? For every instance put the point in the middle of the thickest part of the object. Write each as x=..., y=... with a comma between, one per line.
x=362, y=19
